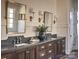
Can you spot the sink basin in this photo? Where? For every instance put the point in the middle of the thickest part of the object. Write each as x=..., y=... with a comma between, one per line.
x=53, y=38
x=34, y=41
x=22, y=44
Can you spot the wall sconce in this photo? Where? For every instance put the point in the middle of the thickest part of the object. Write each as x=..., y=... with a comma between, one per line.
x=39, y=19
x=31, y=18
x=31, y=13
x=40, y=15
x=55, y=19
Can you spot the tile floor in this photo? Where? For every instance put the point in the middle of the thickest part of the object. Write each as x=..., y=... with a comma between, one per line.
x=73, y=55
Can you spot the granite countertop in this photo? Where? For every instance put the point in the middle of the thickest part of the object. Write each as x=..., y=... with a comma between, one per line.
x=14, y=48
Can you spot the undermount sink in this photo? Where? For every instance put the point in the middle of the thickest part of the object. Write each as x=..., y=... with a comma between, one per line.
x=34, y=41
x=53, y=38
x=21, y=44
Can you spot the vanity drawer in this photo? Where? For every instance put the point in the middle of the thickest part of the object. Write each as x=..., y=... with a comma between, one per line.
x=7, y=56
x=63, y=41
x=42, y=54
x=50, y=51
x=63, y=45
x=42, y=47
x=50, y=45
x=50, y=56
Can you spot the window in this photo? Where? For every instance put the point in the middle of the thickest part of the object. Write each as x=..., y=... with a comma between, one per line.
x=10, y=17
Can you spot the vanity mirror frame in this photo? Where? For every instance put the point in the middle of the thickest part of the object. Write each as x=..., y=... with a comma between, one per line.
x=50, y=20
x=6, y=12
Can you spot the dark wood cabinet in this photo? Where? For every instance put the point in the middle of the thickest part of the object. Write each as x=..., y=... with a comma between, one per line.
x=20, y=55
x=7, y=56
x=26, y=53
x=30, y=53
x=61, y=46
x=50, y=49
x=51, y=56
x=47, y=50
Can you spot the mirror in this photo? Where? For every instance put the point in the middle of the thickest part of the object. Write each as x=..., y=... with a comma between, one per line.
x=15, y=17
x=48, y=17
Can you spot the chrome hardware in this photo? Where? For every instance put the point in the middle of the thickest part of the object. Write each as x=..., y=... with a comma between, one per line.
x=20, y=40
x=14, y=42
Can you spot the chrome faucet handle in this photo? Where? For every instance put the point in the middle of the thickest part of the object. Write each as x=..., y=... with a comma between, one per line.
x=17, y=38
x=14, y=42
x=20, y=40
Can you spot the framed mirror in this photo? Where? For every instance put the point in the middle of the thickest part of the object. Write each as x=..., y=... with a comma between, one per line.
x=48, y=17
x=16, y=13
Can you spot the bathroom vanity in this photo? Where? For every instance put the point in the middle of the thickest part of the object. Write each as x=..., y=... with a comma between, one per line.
x=47, y=49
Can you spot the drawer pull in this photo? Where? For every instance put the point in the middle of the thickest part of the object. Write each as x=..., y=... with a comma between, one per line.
x=42, y=47
x=49, y=58
x=50, y=51
x=42, y=54
x=4, y=58
x=50, y=44
x=27, y=51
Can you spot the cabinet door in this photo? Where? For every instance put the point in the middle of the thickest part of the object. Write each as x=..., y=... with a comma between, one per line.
x=7, y=56
x=50, y=56
x=63, y=46
x=20, y=55
x=59, y=47
x=30, y=53
x=55, y=48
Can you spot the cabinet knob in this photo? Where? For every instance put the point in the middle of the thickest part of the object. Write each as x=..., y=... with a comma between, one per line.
x=42, y=47
x=50, y=51
x=50, y=44
x=42, y=54
x=27, y=51
x=63, y=45
x=50, y=58
x=4, y=58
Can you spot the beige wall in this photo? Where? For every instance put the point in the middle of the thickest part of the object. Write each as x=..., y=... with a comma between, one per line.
x=62, y=21
x=37, y=5
x=57, y=7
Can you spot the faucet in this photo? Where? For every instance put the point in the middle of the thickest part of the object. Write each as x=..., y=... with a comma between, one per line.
x=17, y=39
x=14, y=42
x=20, y=40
